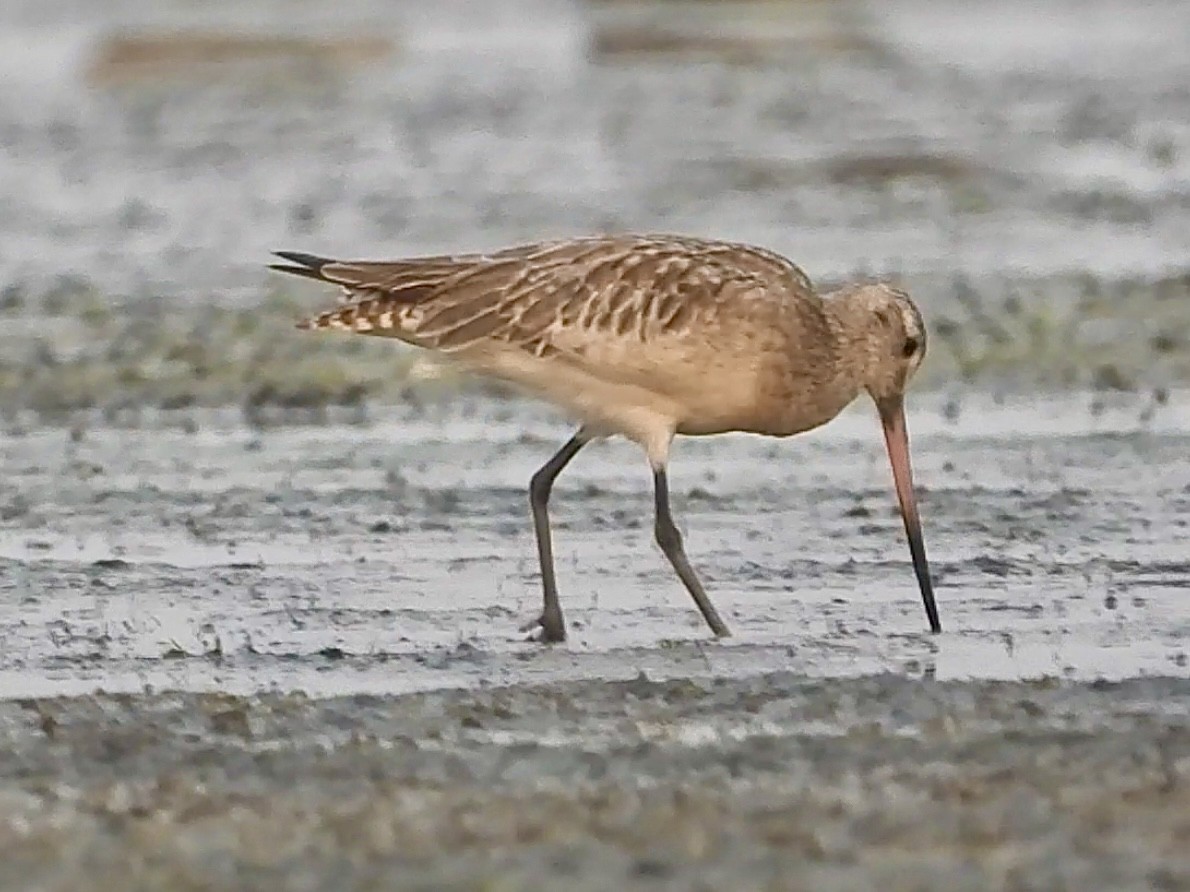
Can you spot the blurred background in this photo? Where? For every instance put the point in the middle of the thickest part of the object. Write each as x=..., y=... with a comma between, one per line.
x=1023, y=168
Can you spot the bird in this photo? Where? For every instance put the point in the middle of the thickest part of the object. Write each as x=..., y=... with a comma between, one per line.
x=648, y=336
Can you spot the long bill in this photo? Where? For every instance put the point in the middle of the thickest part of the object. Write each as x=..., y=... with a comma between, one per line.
x=896, y=438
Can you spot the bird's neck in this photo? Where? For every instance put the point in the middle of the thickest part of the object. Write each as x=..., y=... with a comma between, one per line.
x=828, y=370
x=850, y=323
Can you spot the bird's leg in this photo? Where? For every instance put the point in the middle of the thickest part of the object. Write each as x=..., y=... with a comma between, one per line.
x=552, y=626
x=670, y=541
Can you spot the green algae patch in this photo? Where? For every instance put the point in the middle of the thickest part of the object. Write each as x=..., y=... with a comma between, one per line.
x=1057, y=333
x=73, y=353
x=70, y=349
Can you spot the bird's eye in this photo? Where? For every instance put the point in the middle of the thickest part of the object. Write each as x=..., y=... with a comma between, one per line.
x=911, y=345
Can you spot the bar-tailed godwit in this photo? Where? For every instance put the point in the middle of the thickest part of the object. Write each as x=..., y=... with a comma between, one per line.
x=648, y=336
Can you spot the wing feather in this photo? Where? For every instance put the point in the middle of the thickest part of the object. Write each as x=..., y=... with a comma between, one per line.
x=623, y=304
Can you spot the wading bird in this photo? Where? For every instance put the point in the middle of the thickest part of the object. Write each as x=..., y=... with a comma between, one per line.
x=648, y=336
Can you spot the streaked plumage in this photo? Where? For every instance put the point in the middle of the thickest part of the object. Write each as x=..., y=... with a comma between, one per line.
x=646, y=336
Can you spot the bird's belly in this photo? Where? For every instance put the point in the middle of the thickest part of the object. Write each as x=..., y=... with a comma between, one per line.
x=751, y=410
x=721, y=405
x=606, y=406
x=719, y=421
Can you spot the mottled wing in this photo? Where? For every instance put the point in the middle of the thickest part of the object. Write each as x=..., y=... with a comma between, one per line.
x=622, y=304
x=374, y=295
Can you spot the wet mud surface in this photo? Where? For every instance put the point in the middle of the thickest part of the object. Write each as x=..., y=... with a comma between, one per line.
x=777, y=782
x=398, y=555
x=330, y=614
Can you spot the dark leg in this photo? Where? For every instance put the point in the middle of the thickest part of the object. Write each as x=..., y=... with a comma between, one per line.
x=552, y=626
x=670, y=541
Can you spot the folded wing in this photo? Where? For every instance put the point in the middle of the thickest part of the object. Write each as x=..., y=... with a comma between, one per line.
x=625, y=305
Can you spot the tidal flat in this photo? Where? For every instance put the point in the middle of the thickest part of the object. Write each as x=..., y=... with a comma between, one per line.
x=261, y=588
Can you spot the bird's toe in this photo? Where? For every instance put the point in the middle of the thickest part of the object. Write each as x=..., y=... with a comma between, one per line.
x=545, y=629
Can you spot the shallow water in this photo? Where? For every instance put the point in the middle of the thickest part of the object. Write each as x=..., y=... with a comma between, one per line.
x=398, y=555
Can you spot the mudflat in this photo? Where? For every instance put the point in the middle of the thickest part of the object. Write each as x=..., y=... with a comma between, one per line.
x=305, y=638
x=260, y=589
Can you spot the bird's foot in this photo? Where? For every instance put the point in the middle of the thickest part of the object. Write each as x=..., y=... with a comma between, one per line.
x=546, y=629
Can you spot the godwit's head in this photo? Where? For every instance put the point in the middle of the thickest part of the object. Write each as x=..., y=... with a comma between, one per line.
x=892, y=338
x=886, y=333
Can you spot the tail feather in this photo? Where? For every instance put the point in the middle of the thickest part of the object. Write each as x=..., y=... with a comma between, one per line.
x=374, y=293
x=302, y=258
x=307, y=265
